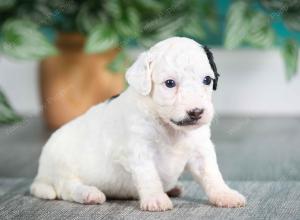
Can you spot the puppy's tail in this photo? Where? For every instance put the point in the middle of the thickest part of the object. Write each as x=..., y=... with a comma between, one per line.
x=42, y=189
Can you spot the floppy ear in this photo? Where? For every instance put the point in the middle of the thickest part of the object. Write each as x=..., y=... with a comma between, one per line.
x=139, y=75
x=210, y=58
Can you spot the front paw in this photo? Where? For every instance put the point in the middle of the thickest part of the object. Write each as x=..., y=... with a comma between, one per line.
x=156, y=203
x=227, y=198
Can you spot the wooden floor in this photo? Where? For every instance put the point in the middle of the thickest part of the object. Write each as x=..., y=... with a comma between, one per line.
x=258, y=156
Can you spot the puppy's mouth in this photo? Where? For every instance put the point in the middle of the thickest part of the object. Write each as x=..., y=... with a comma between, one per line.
x=185, y=122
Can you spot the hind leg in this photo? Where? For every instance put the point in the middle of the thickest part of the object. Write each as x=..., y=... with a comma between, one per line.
x=74, y=190
x=42, y=190
x=176, y=191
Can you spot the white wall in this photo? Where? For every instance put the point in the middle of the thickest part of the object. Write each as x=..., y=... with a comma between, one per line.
x=19, y=81
x=252, y=82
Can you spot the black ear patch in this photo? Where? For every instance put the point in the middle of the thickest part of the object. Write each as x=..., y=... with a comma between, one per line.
x=213, y=66
x=113, y=97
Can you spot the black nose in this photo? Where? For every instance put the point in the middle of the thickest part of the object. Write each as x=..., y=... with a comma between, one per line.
x=196, y=113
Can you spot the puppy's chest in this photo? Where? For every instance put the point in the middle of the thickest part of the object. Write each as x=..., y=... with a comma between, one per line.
x=170, y=162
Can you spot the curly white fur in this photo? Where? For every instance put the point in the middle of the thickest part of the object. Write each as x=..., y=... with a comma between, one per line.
x=130, y=148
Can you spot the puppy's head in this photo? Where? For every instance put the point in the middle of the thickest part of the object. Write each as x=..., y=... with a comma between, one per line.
x=179, y=76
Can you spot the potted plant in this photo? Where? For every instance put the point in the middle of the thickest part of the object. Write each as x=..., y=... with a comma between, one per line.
x=253, y=23
x=81, y=45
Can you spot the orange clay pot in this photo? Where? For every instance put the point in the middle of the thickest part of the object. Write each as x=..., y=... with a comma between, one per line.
x=73, y=81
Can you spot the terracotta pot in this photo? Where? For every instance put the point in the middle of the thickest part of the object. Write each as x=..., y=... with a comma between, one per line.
x=73, y=81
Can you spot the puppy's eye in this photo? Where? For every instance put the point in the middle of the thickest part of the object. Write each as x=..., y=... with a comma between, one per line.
x=170, y=83
x=207, y=80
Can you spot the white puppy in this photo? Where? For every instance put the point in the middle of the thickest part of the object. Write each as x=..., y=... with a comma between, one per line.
x=138, y=144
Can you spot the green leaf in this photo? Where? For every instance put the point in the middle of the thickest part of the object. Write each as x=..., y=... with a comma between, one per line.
x=113, y=8
x=209, y=14
x=237, y=24
x=193, y=29
x=292, y=21
x=129, y=26
x=260, y=33
x=84, y=19
x=118, y=64
x=169, y=27
x=160, y=29
x=280, y=6
x=290, y=53
x=7, y=115
x=245, y=25
x=21, y=39
x=152, y=5
x=101, y=39
x=212, y=24
x=6, y=4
